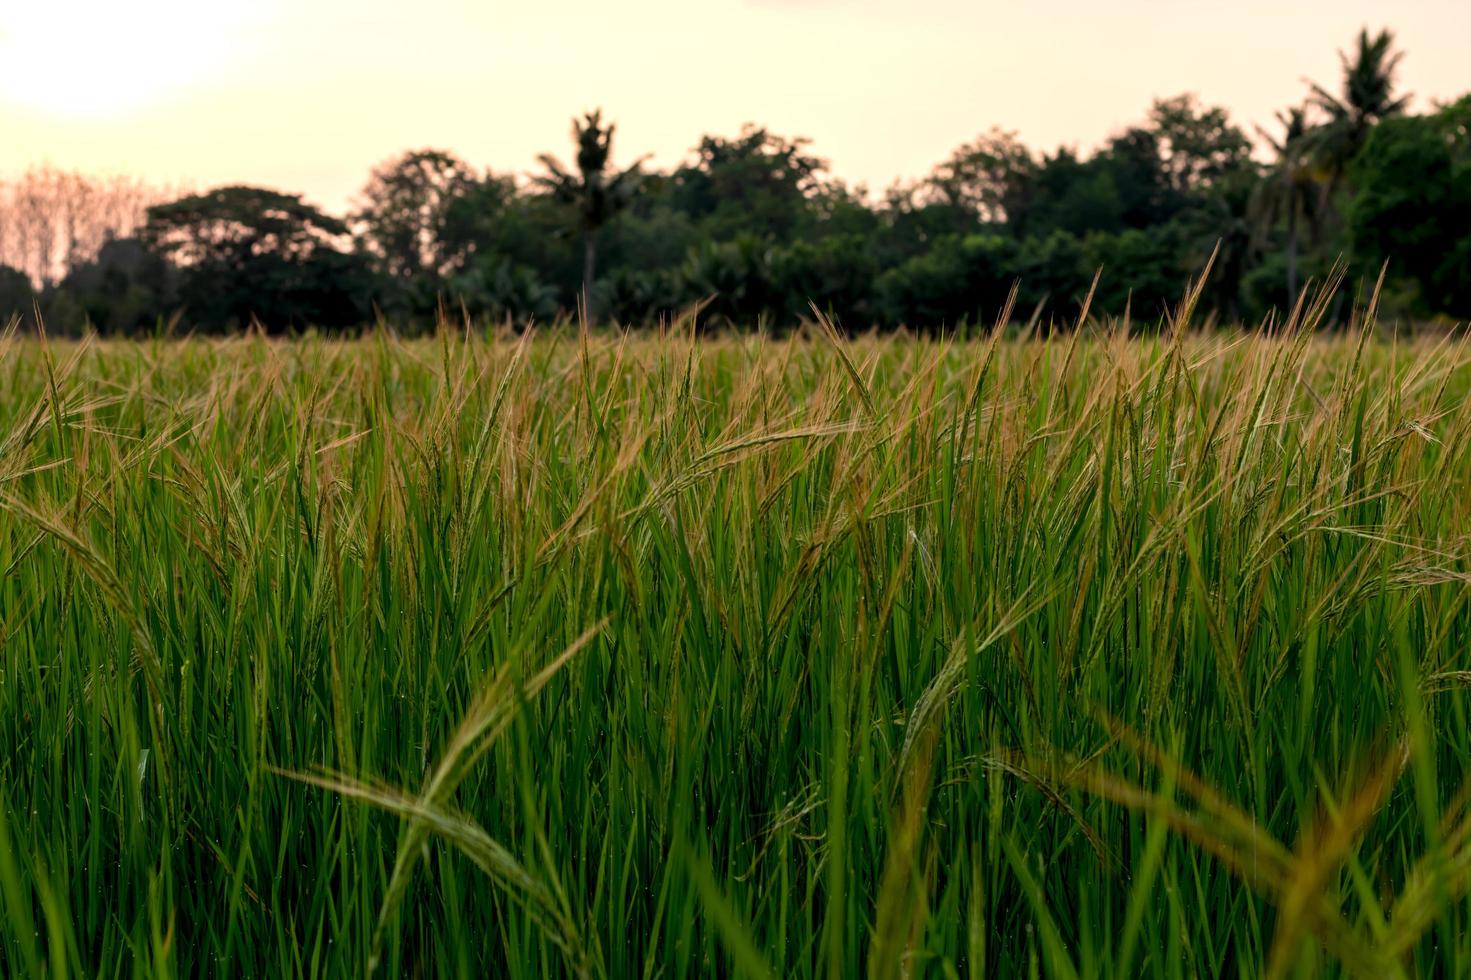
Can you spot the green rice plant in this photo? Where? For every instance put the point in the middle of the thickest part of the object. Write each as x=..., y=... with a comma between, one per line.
x=671, y=654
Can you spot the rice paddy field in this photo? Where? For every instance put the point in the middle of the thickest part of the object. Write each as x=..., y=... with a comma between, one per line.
x=659, y=655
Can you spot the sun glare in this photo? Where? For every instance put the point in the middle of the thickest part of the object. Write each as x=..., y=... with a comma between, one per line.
x=100, y=58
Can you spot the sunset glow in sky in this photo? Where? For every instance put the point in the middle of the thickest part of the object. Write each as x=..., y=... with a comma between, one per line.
x=307, y=95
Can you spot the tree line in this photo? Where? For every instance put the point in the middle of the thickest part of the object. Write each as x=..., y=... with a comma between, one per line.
x=753, y=229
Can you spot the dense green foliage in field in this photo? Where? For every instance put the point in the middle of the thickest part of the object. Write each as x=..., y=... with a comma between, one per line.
x=661, y=656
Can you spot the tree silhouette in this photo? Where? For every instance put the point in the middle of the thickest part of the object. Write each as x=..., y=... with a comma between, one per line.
x=1367, y=97
x=404, y=209
x=597, y=192
x=1287, y=194
x=250, y=253
x=1412, y=205
x=990, y=177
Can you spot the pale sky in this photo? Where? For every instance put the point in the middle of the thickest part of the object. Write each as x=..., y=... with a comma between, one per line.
x=307, y=95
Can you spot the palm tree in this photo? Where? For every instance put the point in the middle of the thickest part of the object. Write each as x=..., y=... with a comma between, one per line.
x=596, y=192
x=1367, y=97
x=1287, y=193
